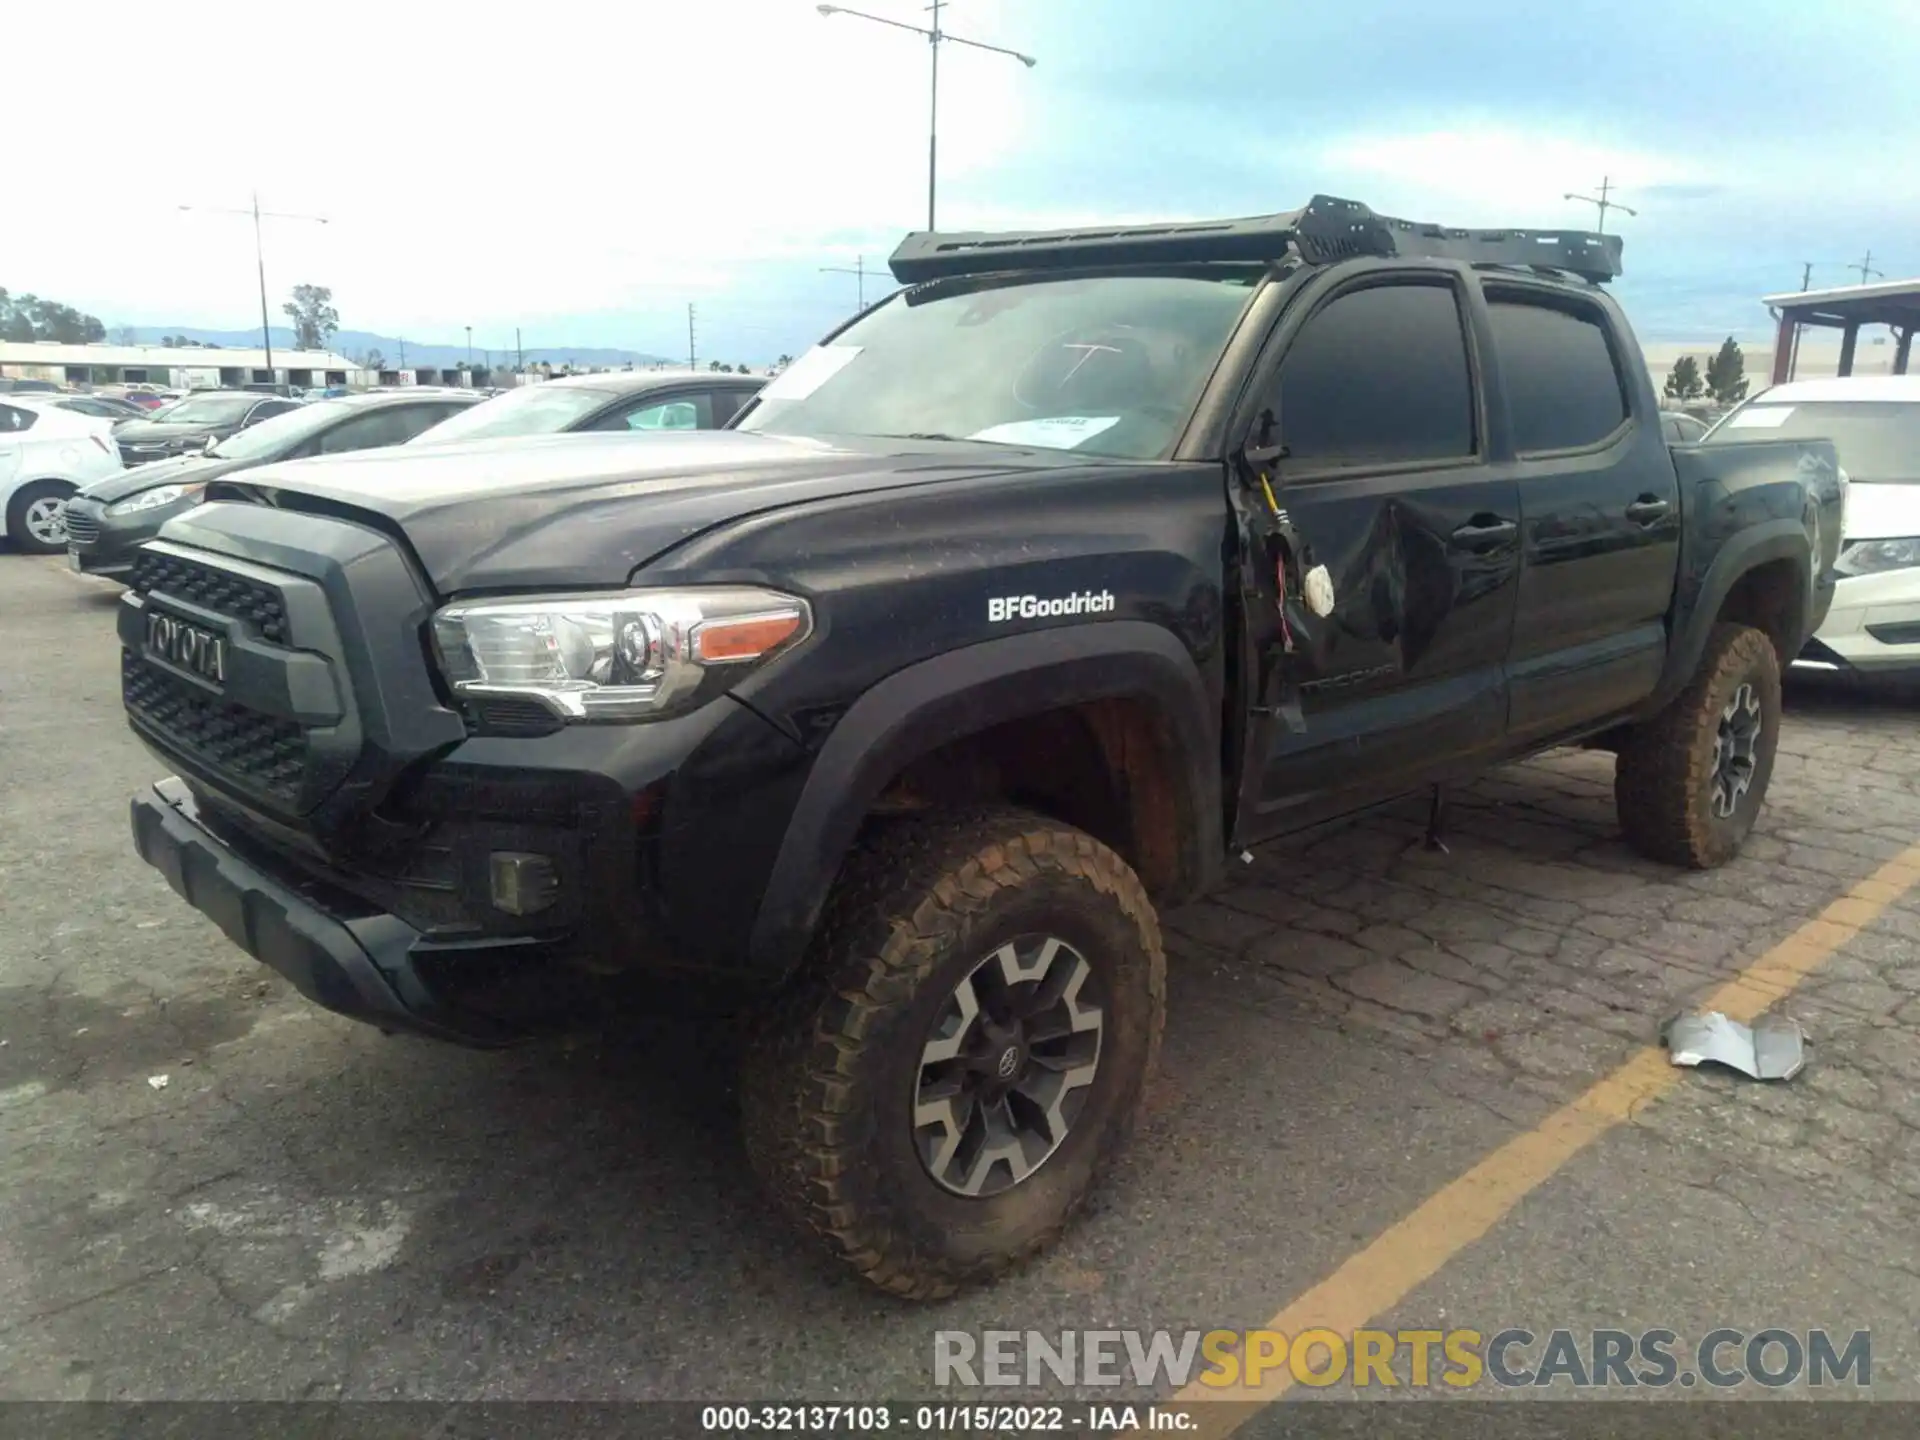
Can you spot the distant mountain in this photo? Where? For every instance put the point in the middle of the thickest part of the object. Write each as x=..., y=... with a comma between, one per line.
x=355, y=343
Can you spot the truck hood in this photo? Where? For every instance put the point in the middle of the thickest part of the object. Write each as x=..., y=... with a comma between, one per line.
x=1883, y=510
x=184, y=470
x=588, y=509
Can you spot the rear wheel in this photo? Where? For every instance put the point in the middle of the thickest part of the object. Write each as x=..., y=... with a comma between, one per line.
x=35, y=519
x=966, y=1049
x=1689, y=783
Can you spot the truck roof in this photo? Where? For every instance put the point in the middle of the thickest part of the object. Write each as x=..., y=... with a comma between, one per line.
x=1832, y=388
x=1321, y=232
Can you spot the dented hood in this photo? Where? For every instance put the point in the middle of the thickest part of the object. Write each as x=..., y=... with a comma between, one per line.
x=587, y=510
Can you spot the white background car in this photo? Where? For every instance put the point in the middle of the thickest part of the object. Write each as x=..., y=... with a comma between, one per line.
x=47, y=453
x=1874, y=422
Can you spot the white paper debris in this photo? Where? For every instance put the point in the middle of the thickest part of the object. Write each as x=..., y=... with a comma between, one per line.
x=158, y=1082
x=1775, y=1049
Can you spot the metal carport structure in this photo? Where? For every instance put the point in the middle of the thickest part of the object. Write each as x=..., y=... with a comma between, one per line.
x=1893, y=303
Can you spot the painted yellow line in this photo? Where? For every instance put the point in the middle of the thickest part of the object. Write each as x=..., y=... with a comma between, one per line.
x=1414, y=1249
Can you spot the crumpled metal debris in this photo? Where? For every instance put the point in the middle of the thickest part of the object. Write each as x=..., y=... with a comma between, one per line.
x=1775, y=1049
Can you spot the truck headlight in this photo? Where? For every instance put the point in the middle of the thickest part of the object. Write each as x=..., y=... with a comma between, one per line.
x=153, y=499
x=1870, y=557
x=634, y=655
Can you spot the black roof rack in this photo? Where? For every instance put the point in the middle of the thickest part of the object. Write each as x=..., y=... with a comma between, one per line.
x=1326, y=230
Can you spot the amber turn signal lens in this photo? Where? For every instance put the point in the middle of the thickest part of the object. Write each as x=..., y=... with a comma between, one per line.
x=747, y=638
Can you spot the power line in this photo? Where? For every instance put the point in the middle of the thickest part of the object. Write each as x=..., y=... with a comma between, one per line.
x=858, y=271
x=1603, y=203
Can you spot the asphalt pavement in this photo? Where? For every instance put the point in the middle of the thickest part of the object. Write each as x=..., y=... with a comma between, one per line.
x=209, y=1189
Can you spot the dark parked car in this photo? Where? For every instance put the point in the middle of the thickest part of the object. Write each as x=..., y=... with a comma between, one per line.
x=194, y=421
x=109, y=520
x=623, y=400
x=1004, y=617
x=101, y=407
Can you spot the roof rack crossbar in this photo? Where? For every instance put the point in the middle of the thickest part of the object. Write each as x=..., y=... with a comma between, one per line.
x=1325, y=230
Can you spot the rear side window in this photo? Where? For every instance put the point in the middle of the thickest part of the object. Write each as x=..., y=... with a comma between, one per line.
x=1379, y=376
x=13, y=419
x=1564, y=388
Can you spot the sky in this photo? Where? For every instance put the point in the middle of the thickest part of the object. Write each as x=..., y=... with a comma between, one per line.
x=585, y=171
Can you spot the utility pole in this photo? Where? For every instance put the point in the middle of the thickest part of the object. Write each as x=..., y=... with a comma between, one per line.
x=1865, y=267
x=858, y=271
x=690, y=352
x=1604, y=204
x=469, y=349
x=259, y=258
x=1806, y=275
x=519, y=356
x=403, y=352
x=935, y=37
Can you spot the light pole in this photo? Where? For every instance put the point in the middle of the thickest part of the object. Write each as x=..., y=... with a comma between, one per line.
x=259, y=258
x=935, y=36
x=1604, y=204
x=469, y=349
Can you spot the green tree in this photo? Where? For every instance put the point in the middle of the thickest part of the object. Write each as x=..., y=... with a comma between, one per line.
x=1683, y=381
x=314, y=318
x=373, y=360
x=1726, y=374
x=714, y=366
x=783, y=362
x=27, y=317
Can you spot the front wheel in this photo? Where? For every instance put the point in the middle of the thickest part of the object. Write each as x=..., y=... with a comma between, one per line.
x=964, y=1051
x=36, y=517
x=1689, y=783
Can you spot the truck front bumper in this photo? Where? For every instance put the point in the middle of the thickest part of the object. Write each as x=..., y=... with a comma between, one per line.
x=340, y=953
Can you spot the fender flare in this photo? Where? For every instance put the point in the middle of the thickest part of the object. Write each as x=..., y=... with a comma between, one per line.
x=1745, y=551
x=917, y=710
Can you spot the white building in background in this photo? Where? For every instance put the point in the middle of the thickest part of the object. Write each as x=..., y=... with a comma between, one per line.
x=182, y=368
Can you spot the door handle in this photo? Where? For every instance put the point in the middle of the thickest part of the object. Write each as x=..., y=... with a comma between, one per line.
x=1647, y=509
x=1484, y=531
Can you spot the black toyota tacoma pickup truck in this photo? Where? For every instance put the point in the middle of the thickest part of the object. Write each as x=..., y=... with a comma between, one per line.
x=1001, y=620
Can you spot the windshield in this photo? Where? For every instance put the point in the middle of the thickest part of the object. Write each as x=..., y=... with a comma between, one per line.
x=209, y=409
x=537, y=409
x=1877, y=441
x=272, y=438
x=1105, y=365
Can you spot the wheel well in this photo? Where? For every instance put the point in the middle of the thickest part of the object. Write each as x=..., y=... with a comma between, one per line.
x=1767, y=597
x=1105, y=766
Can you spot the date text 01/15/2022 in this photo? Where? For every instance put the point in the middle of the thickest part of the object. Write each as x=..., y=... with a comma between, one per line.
x=922, y=1419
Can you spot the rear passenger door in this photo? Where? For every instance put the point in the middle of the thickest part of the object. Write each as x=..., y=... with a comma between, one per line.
x=1599, y=507
x=1387, y=482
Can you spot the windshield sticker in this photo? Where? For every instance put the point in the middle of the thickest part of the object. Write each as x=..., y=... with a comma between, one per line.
x=1764, y=417
x=1058, y=432
x=810, y=372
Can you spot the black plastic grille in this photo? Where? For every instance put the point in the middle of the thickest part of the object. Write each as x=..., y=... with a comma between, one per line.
x=259, y=750
x=81, y=527
x=220, y=591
